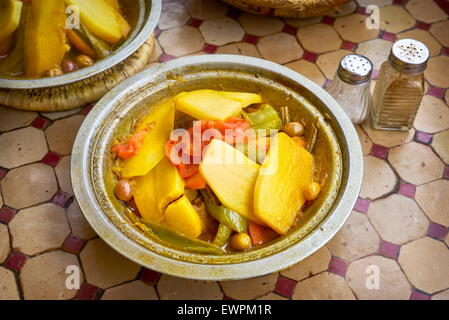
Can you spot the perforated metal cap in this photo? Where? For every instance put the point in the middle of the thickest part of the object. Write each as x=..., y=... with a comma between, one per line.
x=355, y=69
x=409, y=56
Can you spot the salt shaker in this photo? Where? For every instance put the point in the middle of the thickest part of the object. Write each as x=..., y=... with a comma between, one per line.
x=351, y=86
x=400, y=86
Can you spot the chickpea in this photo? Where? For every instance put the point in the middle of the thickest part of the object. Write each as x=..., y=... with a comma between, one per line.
x=53, y=72
x=293, y=129
x=240, y=241
x=312, y=191
x=123, y=190
x=84, y=61
x=68, y=66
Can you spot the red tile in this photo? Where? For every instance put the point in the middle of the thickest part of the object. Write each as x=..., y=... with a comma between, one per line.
x=3, y=173
x=87, y=109
x=375, y=74
x=338, y=266
x=165, y=57
x=436, y=92
x=51, y=158
x=149, y=276
x=436, y=231
x=227, y=298
x=251, y=39
x=39, y=123
x=446, y=172
x=389, y=250
x=361, y=205
x=445, y=51
x=444, y=4
x=289, y=29
x=422, y=25
x=310, y=56
x=389, y=36
x=210, y=48
x=6, y=214
x=15, y=261
x=362, y=10
x=73, y=244
x=348, y=45
x=416, y=295
x=194, y=22
x=379, y=151
x=407, y=189
x=423, y=137
x=62, y=199
x=327, y=20
x=87, y=292
x=285, y=287
x=400, y=2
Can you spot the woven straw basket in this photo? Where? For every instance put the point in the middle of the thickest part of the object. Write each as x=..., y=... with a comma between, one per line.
x=287, y=8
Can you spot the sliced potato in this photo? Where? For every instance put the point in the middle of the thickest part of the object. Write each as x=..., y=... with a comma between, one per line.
x=182, y=217
x=284, y=175
x=145, y=198
x=244, y=98
x=169, y=184
x=10, y=11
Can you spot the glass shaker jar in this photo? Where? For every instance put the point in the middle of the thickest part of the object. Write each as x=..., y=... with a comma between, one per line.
x=400, y=86
x=351, y=86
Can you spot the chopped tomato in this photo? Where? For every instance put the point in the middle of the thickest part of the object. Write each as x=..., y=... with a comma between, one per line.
x=260, y=234
x=187, y=170
x=196, y=182
x=128, y=149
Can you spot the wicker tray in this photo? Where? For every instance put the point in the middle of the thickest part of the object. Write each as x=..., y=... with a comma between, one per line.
x=79, y=93
x=287, y=8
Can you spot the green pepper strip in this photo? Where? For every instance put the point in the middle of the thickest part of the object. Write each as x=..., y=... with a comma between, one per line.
x=175, y=239
x=222, y=235
x=264, y=118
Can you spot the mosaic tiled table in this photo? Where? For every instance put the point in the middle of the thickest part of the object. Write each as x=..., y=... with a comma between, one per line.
x=399, y=224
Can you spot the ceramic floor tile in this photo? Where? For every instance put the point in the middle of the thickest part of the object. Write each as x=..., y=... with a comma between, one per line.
x=12, y=119
x=432, y=116
x=206, y=9
x=8, y=287
x=379, y=3
x=61, y=134
x=444, y=295
x=221, y=31
x=60, y=114
x=425, y=37
x=356, y=227
x=425, y=10
x=365, y=141
x=436, y=71
x=324, y=286
x=344, y=9
x=104, y=267
x=49, y=283
x=328, y=62
x=395, y=19
x=398, y=219
x=376, y=50
x=172, y=288
x=22, y=146
x=388, y=138
x=353, y=28
x=39, y=229
x=135, y=290
x=272, y=296
x=181, y=41
x=79, y=225
x=174, y=14
x=416, y=163
x=260, y=25
x=28, y=185
x=378, y=179
x=439, y=31
x=242, y=48
x=157, y=52
x=302, y=22
x=392, y=283
x=433, y=198
x=329, y=39
x=280, y=48
x=425, y=262
x=250, y=288
x=4, y=243
x=314, y=264
x=440, y=143
x=307, y=69
x=62, y=171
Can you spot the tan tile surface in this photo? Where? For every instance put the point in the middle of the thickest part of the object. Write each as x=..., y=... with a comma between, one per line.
x=104, y=267
x=344, y=9
x=388, y=138
x=61, y=134
x=221, y=31
x=172, y=288
x=440, y=143
x=280, y=48
x=307, y=69
x=376, y=50
x=174, y=14
x=62, y=171
x=181, y=41
x=380, y=3
x=444, y=295
x=272, y=296
x=425, y=37
x=439, y=31
x=39, y=229
x=135, y=290
x=4, y=243
x=8, y=287
x=60, y=114
x=436, y=71
x=324, y=286
x=378, y=178
x=433, y=198
x=329, y=39
x=250, y=288
x=316, y=263
x=22, y=146
x=328, y=62
x=365, y=141
x=393, y=284
x=50, y=282
x=416, y=163
x=353, y=28
x=395, y=19
x=13, y=119
x=425, y=10
x=302, y=22
x=206, y=9
x=28, y=185
x=432, y=116
x=260, y=26
x=356, y=227
x=79, y=225
x=398, y=219
x=425, y=262
x=242, y=48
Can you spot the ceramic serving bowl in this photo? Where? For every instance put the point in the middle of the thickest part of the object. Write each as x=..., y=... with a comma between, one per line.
x=338, y=155
x=148, y=16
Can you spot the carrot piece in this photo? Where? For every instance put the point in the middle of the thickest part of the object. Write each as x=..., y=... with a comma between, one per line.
x=195, y=182
x=260, y=234
x=81, y=45
x=129, y=149
x=187, y=170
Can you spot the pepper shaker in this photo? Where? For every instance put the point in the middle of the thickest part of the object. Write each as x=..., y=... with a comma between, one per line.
x=351, y=86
